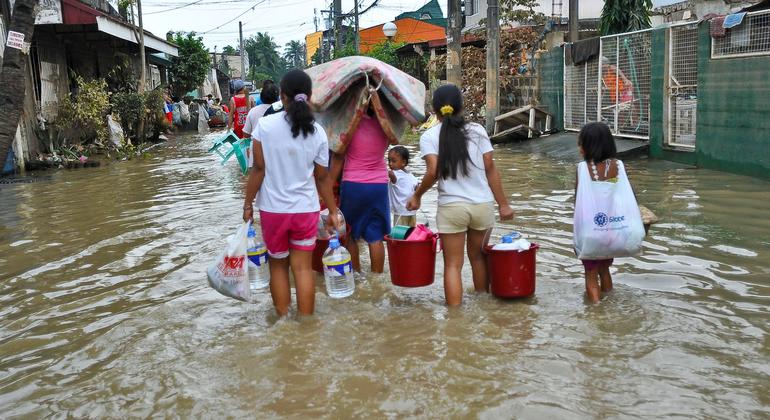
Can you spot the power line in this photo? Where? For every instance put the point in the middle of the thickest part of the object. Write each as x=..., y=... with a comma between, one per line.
x=233, y=19
x=174, y=8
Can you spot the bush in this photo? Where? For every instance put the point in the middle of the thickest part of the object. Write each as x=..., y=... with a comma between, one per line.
x=129, y=108
x=81, y=117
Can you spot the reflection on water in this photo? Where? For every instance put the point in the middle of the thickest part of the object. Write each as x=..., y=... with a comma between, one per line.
x=105, y=311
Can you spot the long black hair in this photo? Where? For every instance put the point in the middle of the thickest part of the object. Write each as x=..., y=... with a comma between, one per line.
x=597, y=142
x=296, y=86
x=269, y=93
x=453, y=156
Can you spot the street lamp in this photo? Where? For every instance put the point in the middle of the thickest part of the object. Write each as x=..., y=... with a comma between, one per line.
x=390, y=29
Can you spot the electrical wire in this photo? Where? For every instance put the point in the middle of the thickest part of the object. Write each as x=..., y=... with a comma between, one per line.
x=233, y=19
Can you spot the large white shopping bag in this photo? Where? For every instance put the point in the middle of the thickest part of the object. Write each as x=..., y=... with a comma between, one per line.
x=607, y=222
x=228, y=274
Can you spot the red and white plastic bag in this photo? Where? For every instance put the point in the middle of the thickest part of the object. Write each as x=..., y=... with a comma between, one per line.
x=228, y=274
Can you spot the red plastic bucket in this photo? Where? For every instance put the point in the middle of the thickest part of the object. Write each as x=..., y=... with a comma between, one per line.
x=412, y=263
x=512, y=273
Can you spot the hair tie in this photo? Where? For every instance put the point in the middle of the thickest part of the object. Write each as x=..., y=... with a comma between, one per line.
x=447, y=110
x=300, y=97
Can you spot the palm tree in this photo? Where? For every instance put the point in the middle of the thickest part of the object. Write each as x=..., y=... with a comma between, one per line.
x=294, y=54
x=625, y=16
x=263, y=55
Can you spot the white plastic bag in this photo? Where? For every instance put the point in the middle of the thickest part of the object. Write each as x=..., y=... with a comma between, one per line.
x=184, y=109
x=228, y=274
x=116, y=131
x=203, y=120
x=607, y=220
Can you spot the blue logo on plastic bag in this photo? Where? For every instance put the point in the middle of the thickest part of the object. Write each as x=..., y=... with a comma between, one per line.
x=601, y=219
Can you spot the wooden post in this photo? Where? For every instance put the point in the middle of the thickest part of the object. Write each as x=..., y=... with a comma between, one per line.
x=243, y=53
x=337, y=25
x=574, y=16
x=357, y=40
x=454, y=44
x=493, y=63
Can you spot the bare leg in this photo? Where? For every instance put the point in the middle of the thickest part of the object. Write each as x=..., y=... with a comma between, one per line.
x=606, y=279
x=478, y=260
x=592, y=285
x=279, y=285
x=377, y=254
x=301, y=266
x=453, y=266
x=352, y=246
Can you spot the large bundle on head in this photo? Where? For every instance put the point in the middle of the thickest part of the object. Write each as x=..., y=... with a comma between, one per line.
x=344, y=88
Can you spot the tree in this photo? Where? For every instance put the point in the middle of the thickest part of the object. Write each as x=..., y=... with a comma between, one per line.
x=624, y=16
x=263, y=56
x=294, y=54
x=229, y=50
x=521, y=11
x=386, y=52
x=190, y=68
x=12, y=76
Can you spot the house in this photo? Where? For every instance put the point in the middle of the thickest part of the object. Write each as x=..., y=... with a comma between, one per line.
x=230, y=64
x=475, y=11
x=410, y=31
x=322, y=43
x=87, y=38
x=431, y=13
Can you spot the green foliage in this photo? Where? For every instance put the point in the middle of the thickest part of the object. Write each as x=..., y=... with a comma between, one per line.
x=81, y=117
x=121, y=77
x=386, y=52
x=522, y=11
x=131, y=106
x=294, y=55
x=620, y=16
x=228, y=49
x=189, y=70
x=263, y=57
x=346, y=51
x=155, y=115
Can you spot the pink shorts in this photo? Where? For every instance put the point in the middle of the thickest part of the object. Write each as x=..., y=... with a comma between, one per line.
x=284, y=231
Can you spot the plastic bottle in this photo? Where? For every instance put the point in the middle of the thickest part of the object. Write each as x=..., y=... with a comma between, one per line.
x=338, y=270
x=259, y=274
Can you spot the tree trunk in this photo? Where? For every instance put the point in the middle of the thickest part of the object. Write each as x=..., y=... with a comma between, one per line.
x=12, y=75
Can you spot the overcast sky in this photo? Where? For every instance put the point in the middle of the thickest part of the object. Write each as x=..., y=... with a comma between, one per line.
x=284, y=20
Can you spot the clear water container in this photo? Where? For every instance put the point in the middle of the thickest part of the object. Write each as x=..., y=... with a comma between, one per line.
x=338, y=270
x=323, y=233
x=259, y=274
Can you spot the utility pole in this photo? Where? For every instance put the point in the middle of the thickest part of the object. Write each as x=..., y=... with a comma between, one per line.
x=454, y=44
x=243, y=61
x=337, y=14
x=355, y=13
x=142, y=58
x=493, y=63
x=573, y=20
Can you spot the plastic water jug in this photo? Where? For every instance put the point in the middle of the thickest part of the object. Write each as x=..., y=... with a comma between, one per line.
x=259, y=274
x=338, y=270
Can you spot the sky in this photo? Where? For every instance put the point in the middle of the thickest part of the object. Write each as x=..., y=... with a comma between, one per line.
x=284, y=20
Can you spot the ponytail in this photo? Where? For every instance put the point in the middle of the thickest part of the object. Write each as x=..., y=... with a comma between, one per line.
x=453, y=156
x=296, y=86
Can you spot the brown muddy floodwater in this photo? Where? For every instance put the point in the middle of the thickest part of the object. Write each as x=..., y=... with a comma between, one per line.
x=105, y=310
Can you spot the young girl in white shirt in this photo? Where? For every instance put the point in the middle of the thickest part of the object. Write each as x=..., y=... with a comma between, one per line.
x=459, y=156
x=290, y=156
x=401, y=187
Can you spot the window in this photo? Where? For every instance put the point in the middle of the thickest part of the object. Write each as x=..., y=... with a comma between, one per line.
x=750, y=38
x=471, y=7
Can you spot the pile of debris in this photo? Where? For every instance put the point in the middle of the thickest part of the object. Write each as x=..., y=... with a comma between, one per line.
x=514, y=45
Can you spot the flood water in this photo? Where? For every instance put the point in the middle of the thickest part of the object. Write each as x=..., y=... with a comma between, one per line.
x=105, y=310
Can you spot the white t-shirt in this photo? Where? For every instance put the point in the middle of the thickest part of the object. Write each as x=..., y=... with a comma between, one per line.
x=473, y=188
x=289, y=185
x=400, y=191
x=251, y=126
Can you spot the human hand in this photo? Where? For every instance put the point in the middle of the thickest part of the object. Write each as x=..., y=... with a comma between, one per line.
x=333, y=221
x=506, y=212
x=413, y=203
x=248, y=214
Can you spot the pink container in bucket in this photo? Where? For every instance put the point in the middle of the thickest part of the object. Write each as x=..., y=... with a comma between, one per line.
x=413, y=260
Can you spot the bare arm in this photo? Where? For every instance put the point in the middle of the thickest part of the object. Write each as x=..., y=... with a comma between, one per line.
x=493, y=179
x=254, y=184
x=231, y=115
x=338, y=163
x=324, y=183
x=392, y=176
x=430, y=178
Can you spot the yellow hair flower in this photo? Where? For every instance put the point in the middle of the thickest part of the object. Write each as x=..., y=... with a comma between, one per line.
x=447, y=110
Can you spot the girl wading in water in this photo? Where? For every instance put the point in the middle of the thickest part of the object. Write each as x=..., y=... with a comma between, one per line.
x=459, y=156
